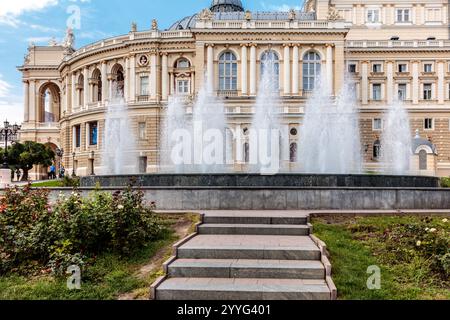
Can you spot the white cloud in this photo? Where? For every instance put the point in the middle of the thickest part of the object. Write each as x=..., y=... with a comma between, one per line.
x=11, y=106
x=11, y=10
x=279, y=7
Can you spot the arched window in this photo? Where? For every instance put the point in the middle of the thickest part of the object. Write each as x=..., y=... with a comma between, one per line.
x=97, y=86
x=311, y=70
x=118, y=84
x=423, y=160
x=49, y=106
x=270, y=63
x=376, y=150
x=183, y=63
x=246, y=152
x=227, y=72
x=293, y=152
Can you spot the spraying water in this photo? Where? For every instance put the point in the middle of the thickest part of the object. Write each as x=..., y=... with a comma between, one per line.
x=266, y=128
x=396, y=141
x=329, y=137
x=119, y=154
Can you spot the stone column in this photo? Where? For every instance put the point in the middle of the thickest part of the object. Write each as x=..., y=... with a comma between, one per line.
x=132, y=78
x=74, y=92
x=415, y=82
x=153, y=76
x=26, y=104
x=104, y=82
x=164, y=77
x=74, y=133
x=329, y=66
x=287, y=69
x=390, y=82
x=295, y=68
x=126, y=87
x=87, y=126
x=253, y=70
x=441, y=81
x=210, y=63
x=239, y=156
x=32, y=101
x=86, y=87
x=171, y=83
x=244, y=74
x=364, y=82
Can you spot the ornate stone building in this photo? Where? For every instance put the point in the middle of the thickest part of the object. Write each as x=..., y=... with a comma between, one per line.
x=390, y=49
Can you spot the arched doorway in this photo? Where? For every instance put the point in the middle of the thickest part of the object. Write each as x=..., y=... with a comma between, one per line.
x=49, y=109
x=118, y=82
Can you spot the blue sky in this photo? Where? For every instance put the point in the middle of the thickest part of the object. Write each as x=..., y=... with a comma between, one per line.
x=38, y=21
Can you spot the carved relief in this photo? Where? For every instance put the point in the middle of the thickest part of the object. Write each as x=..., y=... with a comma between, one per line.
x=206, y=15
x=333, y=15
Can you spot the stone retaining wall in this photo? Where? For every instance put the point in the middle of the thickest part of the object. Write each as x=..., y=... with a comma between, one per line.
x=282, y=198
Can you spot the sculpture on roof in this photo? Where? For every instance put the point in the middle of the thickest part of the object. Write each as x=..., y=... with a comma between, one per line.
x=333, y=14
x=248, y=15
x=309, y=6
x=154, y=24
x=133, y=27
x=206, y=14
x=69, y=40
x=292, y=15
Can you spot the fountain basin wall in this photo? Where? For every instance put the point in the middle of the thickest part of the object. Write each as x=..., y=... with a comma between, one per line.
x=255, y=180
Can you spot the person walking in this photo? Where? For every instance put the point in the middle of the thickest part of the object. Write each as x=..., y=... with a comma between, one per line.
x=62, y=171
x=52, y=172
x=18, y=174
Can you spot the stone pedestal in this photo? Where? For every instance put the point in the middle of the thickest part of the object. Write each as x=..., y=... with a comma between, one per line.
x=5, y=177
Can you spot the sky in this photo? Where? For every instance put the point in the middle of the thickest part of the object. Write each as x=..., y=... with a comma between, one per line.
x=39, y=21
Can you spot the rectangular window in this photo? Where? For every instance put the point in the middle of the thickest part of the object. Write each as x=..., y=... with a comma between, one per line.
x=144, y=86
x=93, y=133
x=428, y=124
x=427, y=67
x=376, y=91
x=352, y=68
x=373, y=15
x=402, y=67
x=377, y=124
x=376, y=67
x=142, y=130
x=402, y=91
x=427, y=91
x=403, y=15
x=183, y=86
x=77, y=137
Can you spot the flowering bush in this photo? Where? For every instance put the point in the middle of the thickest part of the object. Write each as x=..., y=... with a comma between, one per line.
x=430, y=239
x=32, y=233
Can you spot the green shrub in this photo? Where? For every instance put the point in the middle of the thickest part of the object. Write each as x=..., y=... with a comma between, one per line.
x=445, y=182
x=73, y=182
x=74, y=230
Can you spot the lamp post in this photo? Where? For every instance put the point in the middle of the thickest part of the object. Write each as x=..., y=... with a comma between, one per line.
x=92, y=158
x=7, y=132
x=60, y=154
x=73, y=165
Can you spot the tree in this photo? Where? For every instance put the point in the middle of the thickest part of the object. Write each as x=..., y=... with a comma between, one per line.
x=28, y=154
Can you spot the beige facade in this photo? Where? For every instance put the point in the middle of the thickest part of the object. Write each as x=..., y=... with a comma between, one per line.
x=389, y=49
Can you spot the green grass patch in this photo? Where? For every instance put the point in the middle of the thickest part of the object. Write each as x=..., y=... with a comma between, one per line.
x=108, y=277
x=357, y=243
x=48, y=184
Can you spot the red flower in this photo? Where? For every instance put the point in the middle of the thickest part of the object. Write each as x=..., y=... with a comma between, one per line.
x=2, y=208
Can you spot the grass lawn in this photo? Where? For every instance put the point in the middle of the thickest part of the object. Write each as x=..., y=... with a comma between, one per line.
x=357, y=243
x=48, y=184
x=108, y=278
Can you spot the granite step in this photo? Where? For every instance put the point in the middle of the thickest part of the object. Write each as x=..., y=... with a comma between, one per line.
x=242, y=289
x=249, y=247
x=254, y=229
x=245, y=219
x=244, y=268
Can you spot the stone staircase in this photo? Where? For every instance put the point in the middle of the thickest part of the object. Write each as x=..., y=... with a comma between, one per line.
x=248, y=256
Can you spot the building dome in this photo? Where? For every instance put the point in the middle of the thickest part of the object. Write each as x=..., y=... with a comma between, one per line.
x=226, y=6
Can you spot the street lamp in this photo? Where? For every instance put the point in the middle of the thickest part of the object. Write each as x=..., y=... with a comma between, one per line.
x=73, y=165
x=6, y=133
x=92, y=159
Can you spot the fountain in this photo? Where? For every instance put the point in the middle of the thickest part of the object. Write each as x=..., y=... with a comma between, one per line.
x=329, y=139
x=265, y=131
x=119, y=151
x=396, y=142
x=195, y=143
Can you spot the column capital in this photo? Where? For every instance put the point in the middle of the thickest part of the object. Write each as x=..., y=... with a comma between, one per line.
x=244, y=45
x=327, y=45
x=286, y=45
x=415, y=61
x=103, y=62
x=253, y=45
x=390, y=61
x=210, y=45
x=365, y=61
x=164, y=54
x=441, y=61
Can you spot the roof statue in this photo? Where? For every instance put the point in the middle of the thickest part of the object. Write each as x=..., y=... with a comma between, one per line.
x=69, y=40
